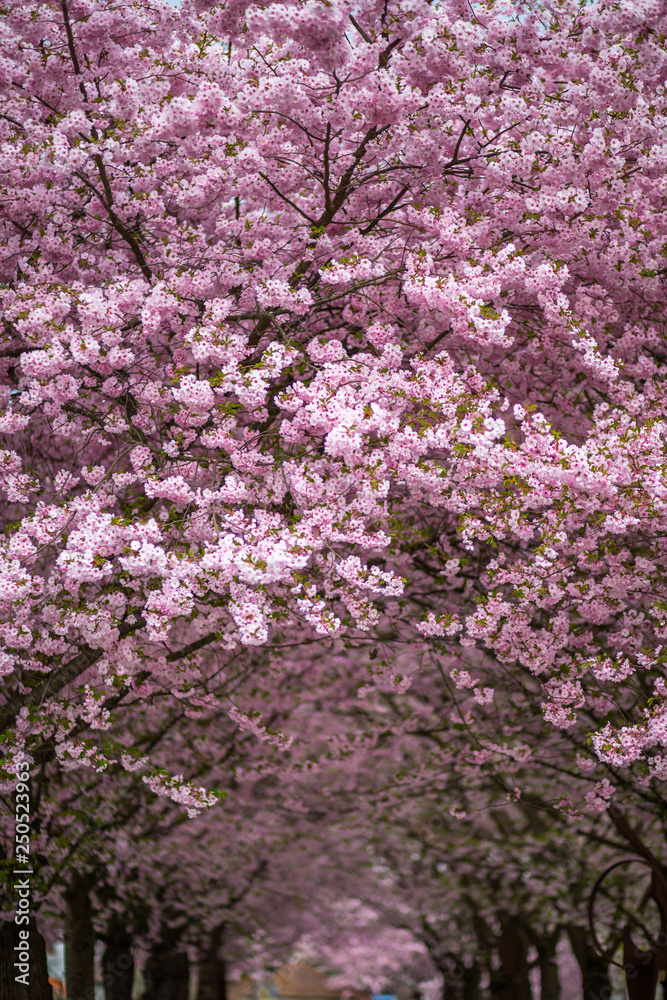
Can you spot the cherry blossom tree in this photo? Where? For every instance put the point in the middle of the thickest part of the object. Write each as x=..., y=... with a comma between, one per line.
x=332, y=350
x=112, y=858
x=308, y=308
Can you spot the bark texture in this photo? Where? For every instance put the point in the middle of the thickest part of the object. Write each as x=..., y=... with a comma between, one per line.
x=79, y=940
x=7, y=942
x=38, y=987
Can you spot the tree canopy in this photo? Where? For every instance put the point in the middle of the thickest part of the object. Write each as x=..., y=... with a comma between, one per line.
x=333, y=417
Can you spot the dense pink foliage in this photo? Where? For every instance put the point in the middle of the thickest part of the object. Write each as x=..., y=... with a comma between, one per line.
x=323, y=321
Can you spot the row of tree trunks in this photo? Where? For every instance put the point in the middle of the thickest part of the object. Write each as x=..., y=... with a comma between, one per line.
x=167, y=972
x=511, y=981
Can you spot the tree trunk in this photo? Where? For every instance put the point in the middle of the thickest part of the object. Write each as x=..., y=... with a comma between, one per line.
x=452, y=980
x=38, y=986
x=549, y=978
x=472, y=982
x=117, y=963
x=459, y=981
x=212, y=979
x=7, y=972
x=511, y=981
x=167, y=973
x=79, y=940
x=213, y=969
x=596, y=984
